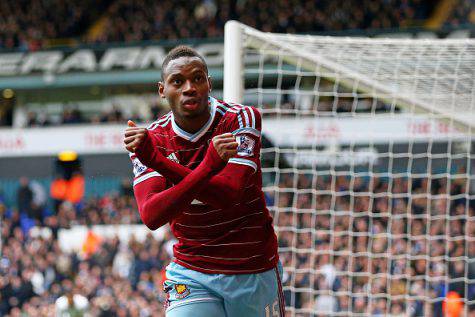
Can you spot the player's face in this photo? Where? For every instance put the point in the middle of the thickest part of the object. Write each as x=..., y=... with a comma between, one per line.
x=186, y=86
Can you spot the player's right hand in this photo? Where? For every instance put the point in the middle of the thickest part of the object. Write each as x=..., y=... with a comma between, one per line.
x=226, y=146
x=133, y=136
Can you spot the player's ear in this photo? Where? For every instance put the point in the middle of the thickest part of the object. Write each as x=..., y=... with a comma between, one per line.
x=210, y=83
x=160, y=89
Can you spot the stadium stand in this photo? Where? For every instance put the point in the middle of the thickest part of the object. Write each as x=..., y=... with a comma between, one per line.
x=28, y=25
x=332, y=277
x=73, y=115
x=117, y=280
x=121, y=281
x=33, y=27
x=207, y=18
x=463, y=13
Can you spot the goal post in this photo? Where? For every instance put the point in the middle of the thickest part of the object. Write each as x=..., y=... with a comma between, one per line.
x=368, y=167
x=234, y=83
x=447, y=64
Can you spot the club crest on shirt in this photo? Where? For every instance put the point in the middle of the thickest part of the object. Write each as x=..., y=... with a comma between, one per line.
x=181, y=291
x=246, y=145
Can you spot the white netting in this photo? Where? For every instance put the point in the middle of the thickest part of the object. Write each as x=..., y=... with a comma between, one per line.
x=435, y=75
x=368, y=169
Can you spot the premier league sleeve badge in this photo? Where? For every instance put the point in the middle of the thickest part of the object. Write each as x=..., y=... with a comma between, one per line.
x=245, y=145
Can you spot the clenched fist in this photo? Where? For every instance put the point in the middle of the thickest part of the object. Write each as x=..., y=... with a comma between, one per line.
x=134, y=136
x=226, y=146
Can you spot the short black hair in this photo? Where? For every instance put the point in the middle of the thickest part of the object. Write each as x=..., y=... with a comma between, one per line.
x=181, y=51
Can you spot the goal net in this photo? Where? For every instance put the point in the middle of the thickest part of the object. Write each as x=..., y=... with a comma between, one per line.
x=368, y=168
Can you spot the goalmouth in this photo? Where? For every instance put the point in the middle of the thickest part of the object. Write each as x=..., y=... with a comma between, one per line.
x=368, y=167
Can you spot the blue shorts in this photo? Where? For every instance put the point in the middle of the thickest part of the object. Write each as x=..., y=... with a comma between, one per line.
x=192, y=293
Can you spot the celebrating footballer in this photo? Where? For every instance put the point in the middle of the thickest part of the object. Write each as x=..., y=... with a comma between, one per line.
x=198, y=169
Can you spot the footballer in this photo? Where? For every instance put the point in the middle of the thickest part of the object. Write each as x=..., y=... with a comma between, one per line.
x=198, y=169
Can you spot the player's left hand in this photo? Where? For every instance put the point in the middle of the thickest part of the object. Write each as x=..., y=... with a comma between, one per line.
x=133, y=136
x=226, y=146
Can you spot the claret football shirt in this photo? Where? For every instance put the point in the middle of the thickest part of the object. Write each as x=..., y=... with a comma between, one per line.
x=238, y=239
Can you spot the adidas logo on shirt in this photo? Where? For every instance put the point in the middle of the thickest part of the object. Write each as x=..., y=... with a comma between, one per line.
x=172, y=157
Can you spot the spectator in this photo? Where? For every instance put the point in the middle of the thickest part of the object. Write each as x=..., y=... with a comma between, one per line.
x=72, y=116
x=71, y=305
x=25, y=197
x=92, y=244
x=325, y=304
x=39, y=200
x=6, y=112
x=113, y=116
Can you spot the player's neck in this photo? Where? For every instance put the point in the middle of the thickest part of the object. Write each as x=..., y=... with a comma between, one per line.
x=192, y=125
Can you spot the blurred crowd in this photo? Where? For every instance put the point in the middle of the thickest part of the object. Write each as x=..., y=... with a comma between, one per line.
x=28, y=25
x=110, y=209
x=325, y=106
x=32, y=207
x=463, y=13
x=289, y=106
x=116, y=278
x=72, y=114
x=204, y=19
x=354, y=241
x=119, y=279
x=370, y=245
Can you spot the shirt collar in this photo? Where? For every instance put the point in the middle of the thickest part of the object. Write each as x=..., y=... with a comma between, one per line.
x=196, y=136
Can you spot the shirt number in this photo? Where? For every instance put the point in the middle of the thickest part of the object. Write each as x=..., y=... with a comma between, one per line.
x=275, y=309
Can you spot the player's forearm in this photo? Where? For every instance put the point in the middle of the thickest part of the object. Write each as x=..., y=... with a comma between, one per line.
x=172, y=171
x=219, y=191
x=160, y=208
x=151, y=157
